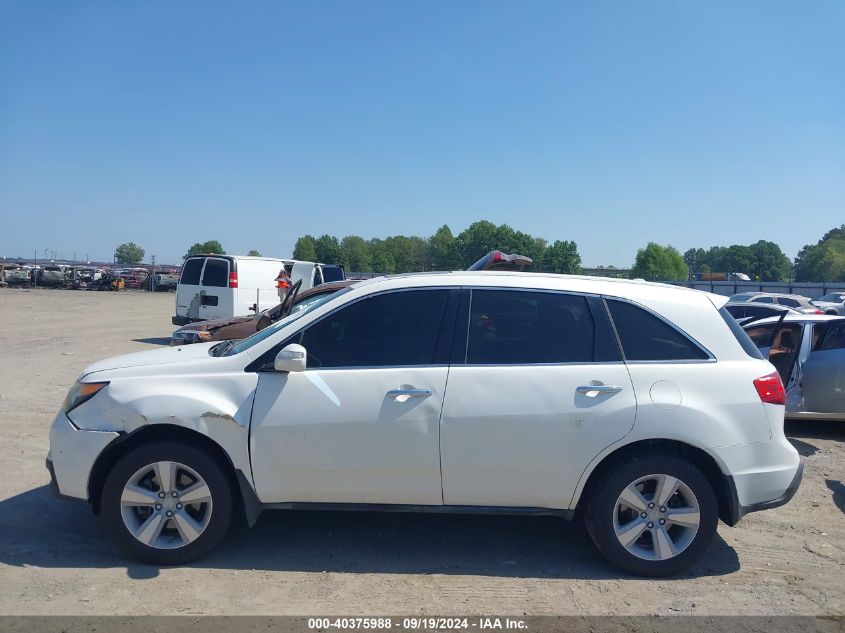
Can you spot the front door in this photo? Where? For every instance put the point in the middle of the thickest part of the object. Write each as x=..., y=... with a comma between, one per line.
x=539, y=392
x=823, y=373
x=361, y=423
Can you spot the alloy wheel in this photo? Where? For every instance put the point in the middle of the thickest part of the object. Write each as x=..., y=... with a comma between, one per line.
x=166, y=505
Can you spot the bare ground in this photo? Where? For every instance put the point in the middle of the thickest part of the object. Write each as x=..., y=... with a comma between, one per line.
x=55, y=558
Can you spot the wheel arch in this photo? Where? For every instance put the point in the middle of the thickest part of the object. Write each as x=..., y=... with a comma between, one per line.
x=154, y=433
x=723, y=485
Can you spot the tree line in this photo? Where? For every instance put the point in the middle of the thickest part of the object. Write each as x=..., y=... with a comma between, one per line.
x=762, y=260
x=442, y=251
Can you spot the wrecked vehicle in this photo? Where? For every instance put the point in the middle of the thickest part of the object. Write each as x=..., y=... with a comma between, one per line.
x=808, y=352
x=16, y=275
x=244, y=326
x=86, y=278
x=643, y=408
x=54, y=276
x=497, y=260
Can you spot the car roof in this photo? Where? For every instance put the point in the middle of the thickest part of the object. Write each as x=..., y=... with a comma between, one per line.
x=630, y=288
x=801, y=318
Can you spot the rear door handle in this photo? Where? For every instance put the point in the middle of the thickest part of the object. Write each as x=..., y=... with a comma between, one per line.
x=594, y=390
x=405, y=394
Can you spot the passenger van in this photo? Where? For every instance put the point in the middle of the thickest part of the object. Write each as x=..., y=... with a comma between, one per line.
x=224, y=286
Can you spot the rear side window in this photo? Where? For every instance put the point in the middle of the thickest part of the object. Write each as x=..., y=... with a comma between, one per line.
x=741, y=336
x=516, y=327
x=216, y=273
x=786, y=301
x=764, y=300
x=646, y=337
x=191, y=272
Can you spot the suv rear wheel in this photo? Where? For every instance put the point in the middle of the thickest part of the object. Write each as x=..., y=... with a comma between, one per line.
x=167, y=503
x=652, y=515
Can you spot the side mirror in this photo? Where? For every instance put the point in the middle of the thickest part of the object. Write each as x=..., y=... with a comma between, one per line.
x=292, y=358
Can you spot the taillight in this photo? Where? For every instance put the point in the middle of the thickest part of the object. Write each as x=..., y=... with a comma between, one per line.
x=233, y=279
x=770, y=389
x=818, y=312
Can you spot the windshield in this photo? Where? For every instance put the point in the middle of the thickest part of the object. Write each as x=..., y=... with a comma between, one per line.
x=833, y=297
x=278, y=325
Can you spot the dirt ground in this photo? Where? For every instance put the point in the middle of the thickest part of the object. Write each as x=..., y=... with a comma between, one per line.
x=55, y=558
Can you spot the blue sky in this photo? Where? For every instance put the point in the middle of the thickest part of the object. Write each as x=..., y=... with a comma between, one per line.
x=608, y=123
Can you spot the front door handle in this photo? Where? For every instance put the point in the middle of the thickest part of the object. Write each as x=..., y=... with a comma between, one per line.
x=401, y=395
x=593, y=390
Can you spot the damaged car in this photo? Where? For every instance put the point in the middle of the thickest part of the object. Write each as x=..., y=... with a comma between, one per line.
x=808, y=352
x=241, y=327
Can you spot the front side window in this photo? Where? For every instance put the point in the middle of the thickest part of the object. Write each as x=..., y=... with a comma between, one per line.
x=391, y=329
x=644, y=336
x=520, y=327
x=191, y=272
x=216, y=273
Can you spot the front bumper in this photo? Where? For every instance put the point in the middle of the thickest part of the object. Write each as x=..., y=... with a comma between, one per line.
x=73, y=453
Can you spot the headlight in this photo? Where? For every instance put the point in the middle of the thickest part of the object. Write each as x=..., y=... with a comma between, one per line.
x=191, y=336
x=81, y=392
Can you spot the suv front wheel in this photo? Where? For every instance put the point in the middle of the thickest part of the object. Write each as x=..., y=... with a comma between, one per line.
x=167, y=503
x=652, y=515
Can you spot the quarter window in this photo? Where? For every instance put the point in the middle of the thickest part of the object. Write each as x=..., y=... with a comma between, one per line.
x=392, y=329
x=646, y=337
x=216, y=273
x=516, y=327
x=191, y=272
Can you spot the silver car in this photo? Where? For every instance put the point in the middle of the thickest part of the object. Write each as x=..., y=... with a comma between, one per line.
x=809, y=353
x=796, y=302
x=832, y=303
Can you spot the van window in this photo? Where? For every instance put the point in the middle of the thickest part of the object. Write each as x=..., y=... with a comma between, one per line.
x=191, y=271
x=834, y=337
x=216, y=273
x=644, y=336
x=519, y=327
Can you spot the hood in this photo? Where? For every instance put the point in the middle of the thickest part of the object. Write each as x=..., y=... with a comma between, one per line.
x=164, y=356
x=215, y=323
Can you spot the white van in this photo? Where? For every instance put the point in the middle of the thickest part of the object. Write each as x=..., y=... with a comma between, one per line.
x=223, y=286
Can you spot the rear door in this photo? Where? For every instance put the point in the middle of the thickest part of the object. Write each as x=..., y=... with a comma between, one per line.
x=537, y=388
x=823, y=373
x=217, y=300
x=188, y=288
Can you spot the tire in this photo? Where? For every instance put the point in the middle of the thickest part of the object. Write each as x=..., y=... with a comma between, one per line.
x=647, y=551
x=131, y=498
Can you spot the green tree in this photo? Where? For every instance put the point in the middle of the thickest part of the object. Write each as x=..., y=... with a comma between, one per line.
x=128, y=253
x=328, y=250
x=695, y=259
x=443, y=250
x=769, y=262
x=254, y=253
x=818, y=262
x=561, y=256
x=211, y=246
x=478, y=239
x=381, y=257
x=305, y=249
x=356, y=254
x=659, y=263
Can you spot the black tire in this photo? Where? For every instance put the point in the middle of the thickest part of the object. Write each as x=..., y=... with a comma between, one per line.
x=601, y=506
x=195, y=459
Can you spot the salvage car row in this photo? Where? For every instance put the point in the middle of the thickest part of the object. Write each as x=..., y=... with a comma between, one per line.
x=86, y=277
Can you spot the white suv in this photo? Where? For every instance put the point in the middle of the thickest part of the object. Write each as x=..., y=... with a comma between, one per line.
x=643, y=408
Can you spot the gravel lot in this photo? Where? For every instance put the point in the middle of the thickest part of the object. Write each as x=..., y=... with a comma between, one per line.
x=55, y=559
